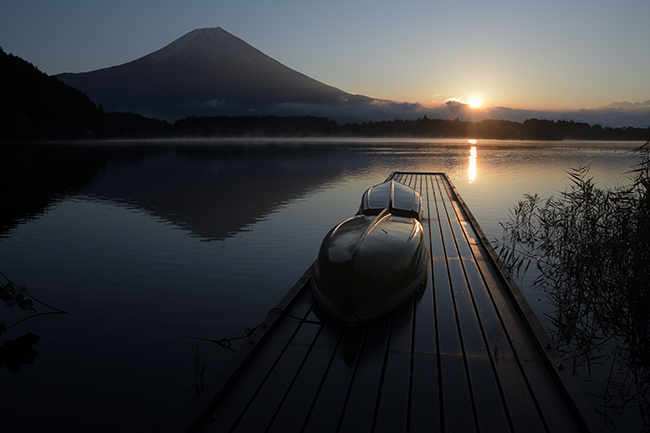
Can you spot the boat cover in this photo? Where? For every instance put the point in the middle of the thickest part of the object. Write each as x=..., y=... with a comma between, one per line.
x=370, y=263
x=399, y=199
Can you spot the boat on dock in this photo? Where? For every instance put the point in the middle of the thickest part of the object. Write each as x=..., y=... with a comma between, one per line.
x=373, y=261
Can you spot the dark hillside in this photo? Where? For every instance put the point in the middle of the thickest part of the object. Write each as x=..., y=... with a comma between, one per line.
x=34, y=105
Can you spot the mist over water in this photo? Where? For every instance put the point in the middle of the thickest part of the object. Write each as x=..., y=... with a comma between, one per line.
x=148, y=244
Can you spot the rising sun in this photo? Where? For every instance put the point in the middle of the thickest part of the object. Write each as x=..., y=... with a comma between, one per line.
x=474, y=102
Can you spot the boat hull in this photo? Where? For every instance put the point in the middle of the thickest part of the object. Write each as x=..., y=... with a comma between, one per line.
x=368, y=265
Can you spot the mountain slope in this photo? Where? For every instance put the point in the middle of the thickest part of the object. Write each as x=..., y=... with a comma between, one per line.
x=206, y=72
x=34, y=105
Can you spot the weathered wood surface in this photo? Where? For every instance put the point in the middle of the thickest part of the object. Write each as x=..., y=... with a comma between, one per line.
x=465, y=354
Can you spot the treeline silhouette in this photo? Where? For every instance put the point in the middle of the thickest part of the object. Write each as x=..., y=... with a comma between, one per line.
x=531, y=129
x=35, y=106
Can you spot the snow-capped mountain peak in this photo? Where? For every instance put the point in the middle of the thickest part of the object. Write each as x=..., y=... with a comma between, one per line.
x=209, y=44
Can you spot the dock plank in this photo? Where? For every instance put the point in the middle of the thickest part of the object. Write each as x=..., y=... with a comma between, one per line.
x=394, y=402
x=361, y=402
x=292, y=415
x=425, y=394
x=327, y=408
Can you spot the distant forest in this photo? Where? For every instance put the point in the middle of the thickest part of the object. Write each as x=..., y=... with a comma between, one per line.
x=35, y=106
x=531, y=129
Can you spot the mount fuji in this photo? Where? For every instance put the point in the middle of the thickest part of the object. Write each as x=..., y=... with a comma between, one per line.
x=210, y=72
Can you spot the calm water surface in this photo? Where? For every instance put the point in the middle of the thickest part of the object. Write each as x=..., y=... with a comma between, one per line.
x=150, y=244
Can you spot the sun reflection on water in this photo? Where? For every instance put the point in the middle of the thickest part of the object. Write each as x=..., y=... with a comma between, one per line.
x=471, y=171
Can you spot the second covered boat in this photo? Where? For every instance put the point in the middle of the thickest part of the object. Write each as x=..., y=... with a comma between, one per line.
x=372, y=262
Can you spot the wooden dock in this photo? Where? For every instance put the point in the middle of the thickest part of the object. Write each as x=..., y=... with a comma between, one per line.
x=465, y=354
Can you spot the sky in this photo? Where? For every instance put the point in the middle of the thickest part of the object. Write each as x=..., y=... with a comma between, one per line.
x=515, y=54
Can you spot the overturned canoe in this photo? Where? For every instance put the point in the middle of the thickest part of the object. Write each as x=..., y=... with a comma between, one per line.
x=370, y=263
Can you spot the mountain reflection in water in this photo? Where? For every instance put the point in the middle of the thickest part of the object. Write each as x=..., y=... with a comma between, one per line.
x=199, y=188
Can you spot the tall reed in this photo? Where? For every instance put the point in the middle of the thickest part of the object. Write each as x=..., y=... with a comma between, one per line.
x=590, y=248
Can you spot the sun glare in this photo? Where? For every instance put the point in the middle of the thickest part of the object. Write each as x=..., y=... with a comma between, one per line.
x=474, y=102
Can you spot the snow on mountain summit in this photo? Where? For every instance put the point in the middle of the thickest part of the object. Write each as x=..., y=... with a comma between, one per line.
x=209, y=44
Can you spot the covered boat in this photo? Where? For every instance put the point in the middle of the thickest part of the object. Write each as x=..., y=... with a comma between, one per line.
x=372, y=262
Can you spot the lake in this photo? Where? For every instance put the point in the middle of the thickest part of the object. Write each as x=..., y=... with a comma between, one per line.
x=155, y=247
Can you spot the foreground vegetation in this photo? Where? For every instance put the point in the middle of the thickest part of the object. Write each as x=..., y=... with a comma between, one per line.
x=590, y=248
x=35, y=106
